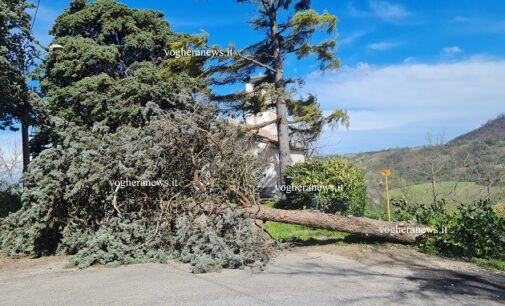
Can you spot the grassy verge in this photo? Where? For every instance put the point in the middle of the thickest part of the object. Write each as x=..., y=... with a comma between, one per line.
x=492, y=264
x=301, y=234
x=459, y=191
x=292, y=232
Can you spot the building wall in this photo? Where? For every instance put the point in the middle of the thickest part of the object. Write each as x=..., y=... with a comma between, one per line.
x=268, y=115
x=269, y=153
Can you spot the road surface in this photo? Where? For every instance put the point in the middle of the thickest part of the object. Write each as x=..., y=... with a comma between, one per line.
x=327, y=275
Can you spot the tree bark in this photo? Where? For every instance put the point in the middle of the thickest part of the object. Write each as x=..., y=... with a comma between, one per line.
x=25, y=113
x=25, y=139
x=391, y=231
x=282, y=120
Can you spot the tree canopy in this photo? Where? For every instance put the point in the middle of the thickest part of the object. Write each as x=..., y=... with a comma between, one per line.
x=17, y=52
x=113, y=61
x=288, y=29
x=116, y=109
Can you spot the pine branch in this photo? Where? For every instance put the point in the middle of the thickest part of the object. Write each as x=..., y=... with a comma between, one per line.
x=257, y=63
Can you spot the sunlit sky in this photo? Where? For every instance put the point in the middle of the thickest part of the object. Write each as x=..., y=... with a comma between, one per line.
x=408, y=67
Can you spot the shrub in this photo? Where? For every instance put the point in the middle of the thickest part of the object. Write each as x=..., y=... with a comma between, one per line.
x=423, y=214
x=478, y=232
x=475, y=230
x=331, y=185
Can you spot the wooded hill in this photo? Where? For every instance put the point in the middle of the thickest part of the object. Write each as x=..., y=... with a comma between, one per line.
x=477, y=158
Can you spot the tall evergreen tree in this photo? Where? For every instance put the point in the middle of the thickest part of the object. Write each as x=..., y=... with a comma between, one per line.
x=17, y=54
x=113, y=62
x=288, y=27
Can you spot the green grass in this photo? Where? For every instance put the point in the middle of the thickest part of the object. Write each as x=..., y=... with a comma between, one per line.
x=490, y=264
x=453, y=192
x=292, y=232
x=295, y=233
x=301, y=234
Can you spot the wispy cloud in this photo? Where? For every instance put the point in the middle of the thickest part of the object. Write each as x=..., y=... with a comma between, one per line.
x=396, y=105
x=348, y=39
x=384, y=10
x=460, y=19
x=450, y=51
x=477, y=26
x=384, y=45
x=388, y=11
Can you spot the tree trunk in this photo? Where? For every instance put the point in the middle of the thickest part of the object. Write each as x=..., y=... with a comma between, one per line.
x=25, y=114
x=391, y=231
x=25, y=140
x=282, y=118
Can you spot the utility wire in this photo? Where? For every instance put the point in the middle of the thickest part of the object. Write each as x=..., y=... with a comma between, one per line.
x=35, y=15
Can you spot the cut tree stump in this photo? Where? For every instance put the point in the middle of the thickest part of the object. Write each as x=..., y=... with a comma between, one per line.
x=390, y=231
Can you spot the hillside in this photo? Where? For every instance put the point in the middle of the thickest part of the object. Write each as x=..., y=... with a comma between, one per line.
x=493, y=130
x=476, y=157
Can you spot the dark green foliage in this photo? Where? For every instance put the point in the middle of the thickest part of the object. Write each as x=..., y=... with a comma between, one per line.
x=17, y=53
x=211, y=243
x=424, y=214
x=71, y=207
x=481, y=232
x=116, y=109
x=341, y=184
x=113, y=62
x=9, y=202
x=118, y=241
x=475, y=230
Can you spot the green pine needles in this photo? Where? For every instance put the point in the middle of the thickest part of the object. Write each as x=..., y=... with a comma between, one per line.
x=72, y=206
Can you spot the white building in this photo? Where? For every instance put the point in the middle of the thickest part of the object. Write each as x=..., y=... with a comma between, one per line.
x=268, y=147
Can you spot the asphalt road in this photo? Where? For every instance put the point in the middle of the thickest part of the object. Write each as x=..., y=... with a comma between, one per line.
x=309, y=277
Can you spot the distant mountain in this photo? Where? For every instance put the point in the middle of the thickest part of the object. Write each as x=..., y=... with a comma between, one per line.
x=493, y=130
x=477, y=156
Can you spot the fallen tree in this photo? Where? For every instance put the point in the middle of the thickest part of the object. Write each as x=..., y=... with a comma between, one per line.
x=391, y=231
x=180, y=187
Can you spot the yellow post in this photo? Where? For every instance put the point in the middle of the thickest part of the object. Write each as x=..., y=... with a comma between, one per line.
x=387, y=198
x=385, y=173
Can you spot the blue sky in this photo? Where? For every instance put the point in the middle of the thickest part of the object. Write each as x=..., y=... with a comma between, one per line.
x=408, y=67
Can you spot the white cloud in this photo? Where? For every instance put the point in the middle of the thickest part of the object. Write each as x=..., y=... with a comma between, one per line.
x=477, y=26
x=396, y=105
x=388, y=11
x=451, y=50
x=383, y=45
x=409, y=59
x=384, y=10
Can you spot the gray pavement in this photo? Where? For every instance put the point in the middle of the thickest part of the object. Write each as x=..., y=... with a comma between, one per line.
x=293, y=278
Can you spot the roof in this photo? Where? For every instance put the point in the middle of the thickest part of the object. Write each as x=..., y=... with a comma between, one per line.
x=266, y=136
x=254, y=80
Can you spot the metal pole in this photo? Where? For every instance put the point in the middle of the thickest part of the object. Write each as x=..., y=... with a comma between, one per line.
x=387, y=199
